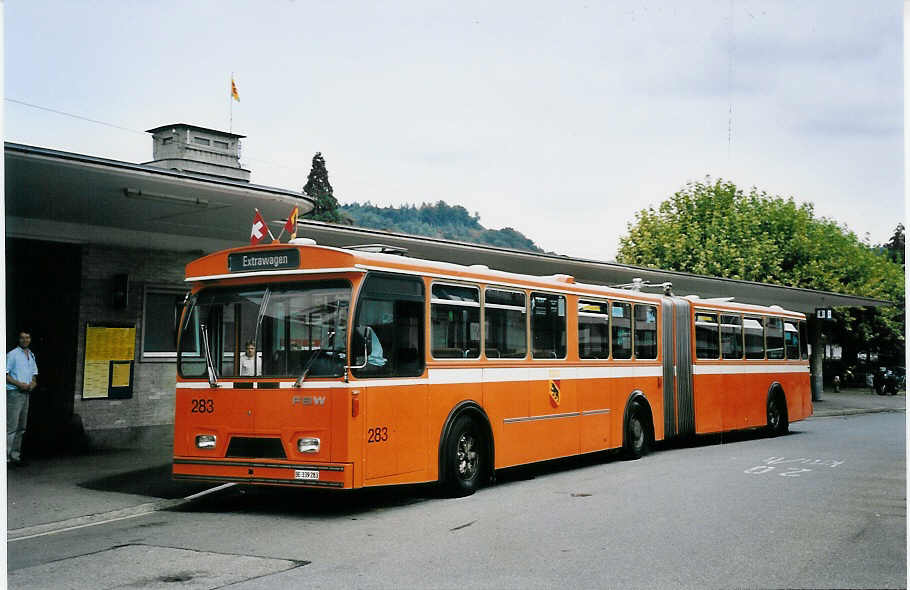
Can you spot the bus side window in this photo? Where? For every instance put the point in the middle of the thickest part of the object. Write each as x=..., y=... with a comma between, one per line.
x=593, y=330
x=548, y=326
x=707, y=336
x=455, y=322
x=621, y=330
x=731, y=336
x=755, y=337
x=645, y=333
x=506, y=327
x=774, y=338
x=791, y=339
x=393, y=306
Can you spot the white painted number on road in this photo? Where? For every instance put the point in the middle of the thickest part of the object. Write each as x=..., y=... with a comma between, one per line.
x=772, y=463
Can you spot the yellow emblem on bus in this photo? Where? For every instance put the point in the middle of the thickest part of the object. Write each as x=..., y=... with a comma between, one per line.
x=554, y=391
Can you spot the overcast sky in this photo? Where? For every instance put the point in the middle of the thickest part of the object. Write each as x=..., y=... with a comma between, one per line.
x=558, y=119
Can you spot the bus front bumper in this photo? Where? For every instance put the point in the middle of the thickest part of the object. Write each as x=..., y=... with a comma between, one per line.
x=265, y=472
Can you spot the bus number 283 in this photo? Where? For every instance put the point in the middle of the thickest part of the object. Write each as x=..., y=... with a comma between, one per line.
x=203, y=406
x=378, y=434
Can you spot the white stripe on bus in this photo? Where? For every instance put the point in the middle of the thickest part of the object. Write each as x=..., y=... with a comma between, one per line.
x=271, y=273
x=457, y=376
x=747, y=369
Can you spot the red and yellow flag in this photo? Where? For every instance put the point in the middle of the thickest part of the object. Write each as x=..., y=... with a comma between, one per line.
x=234, y=94
x=291, y=224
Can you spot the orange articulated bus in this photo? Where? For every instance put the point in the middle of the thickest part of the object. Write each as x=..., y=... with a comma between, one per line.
x=343, y=368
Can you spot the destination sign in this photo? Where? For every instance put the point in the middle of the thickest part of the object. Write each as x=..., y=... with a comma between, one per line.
x=269, y=260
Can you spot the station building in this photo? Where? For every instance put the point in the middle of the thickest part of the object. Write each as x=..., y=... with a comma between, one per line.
x=95, y=255
x=95, y=258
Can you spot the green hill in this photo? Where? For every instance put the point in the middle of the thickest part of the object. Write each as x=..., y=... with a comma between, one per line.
x=439, y=220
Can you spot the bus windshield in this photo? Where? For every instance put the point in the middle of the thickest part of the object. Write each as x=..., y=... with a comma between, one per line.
x=279, y=330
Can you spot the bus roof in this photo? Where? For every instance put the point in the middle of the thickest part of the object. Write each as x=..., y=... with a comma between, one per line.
x=306, y=257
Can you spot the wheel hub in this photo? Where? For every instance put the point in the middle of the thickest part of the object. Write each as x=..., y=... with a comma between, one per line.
x=466, y=457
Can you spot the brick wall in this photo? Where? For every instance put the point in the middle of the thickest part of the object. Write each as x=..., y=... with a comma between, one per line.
x=152, y=403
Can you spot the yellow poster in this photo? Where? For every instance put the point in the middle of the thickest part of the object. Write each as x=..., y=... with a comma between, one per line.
x=102, y=346
x=120, y=375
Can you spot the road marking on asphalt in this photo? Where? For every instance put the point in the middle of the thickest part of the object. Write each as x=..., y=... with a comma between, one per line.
x=81, y=522
x=210, y=491
x=772, y=463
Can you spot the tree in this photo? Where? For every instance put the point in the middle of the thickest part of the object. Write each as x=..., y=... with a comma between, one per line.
x=714, y=228
x=320, y=189
x=896, y=245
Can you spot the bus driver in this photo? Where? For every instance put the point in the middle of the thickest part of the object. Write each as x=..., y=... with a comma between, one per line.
x=249, y=364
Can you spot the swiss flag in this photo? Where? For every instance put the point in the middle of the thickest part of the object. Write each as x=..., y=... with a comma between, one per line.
x=259, y=229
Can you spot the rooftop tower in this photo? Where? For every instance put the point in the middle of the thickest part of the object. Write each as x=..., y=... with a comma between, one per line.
x=198, y=150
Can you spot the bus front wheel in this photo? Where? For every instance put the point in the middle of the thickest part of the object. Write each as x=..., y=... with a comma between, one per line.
x=465, y=454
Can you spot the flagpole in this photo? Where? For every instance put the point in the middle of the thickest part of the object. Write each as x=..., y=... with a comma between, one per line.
x=231, y=100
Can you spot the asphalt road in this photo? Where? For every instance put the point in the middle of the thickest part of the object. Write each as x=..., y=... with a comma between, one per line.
x=823, y=506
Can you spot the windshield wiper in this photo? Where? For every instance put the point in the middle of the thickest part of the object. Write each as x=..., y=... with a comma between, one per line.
x=313, y=356
x=209, y=362
x=262, y=308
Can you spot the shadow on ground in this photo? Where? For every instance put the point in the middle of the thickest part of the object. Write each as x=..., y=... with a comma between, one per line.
x=157, y=482
x=152, y=481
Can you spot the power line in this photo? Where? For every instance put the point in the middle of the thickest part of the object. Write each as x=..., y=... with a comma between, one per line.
x=731, y=47
x=65, y=114
x=122, y=128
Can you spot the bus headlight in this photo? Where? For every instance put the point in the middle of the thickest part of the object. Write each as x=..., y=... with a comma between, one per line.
x=205, y=441
x=308, y=445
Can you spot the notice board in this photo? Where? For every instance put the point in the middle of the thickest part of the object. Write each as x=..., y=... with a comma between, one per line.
x=107, y=371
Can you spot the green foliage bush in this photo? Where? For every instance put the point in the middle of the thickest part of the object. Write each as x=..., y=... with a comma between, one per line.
x=714, y=228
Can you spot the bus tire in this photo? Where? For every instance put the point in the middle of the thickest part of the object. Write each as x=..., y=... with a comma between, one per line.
x=637, y=432
x=465, y=457
x=778, y=423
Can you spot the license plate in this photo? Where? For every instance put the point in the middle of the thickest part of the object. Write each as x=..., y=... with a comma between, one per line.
x=306, y=474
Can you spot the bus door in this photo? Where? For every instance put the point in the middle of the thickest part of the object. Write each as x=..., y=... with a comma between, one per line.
x=388, y=349
x=552, y=428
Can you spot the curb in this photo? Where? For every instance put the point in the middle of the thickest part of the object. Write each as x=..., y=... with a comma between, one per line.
x=79, y=522
x=853, y=412
x=39, y=530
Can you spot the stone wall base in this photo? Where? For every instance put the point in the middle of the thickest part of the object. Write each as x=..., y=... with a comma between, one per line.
x=132, y=437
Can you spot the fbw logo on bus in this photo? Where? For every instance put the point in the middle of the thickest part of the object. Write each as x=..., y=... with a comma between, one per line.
x=308, y=400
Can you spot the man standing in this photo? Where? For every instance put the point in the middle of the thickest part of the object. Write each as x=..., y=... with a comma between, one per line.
x=21, y=379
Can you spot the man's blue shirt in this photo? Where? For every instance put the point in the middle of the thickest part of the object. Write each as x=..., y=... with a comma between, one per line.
x=21, y=366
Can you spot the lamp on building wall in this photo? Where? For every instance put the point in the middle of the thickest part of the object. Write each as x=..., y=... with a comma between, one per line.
x=135, y=193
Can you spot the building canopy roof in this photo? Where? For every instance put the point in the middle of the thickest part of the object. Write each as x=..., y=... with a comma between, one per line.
x=584, y=270
x=62, y=196
x=59, y=195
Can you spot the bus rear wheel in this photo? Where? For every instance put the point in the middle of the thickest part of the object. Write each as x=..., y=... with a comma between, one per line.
x=637, y=433
x=465, y=458
x=777, y=416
